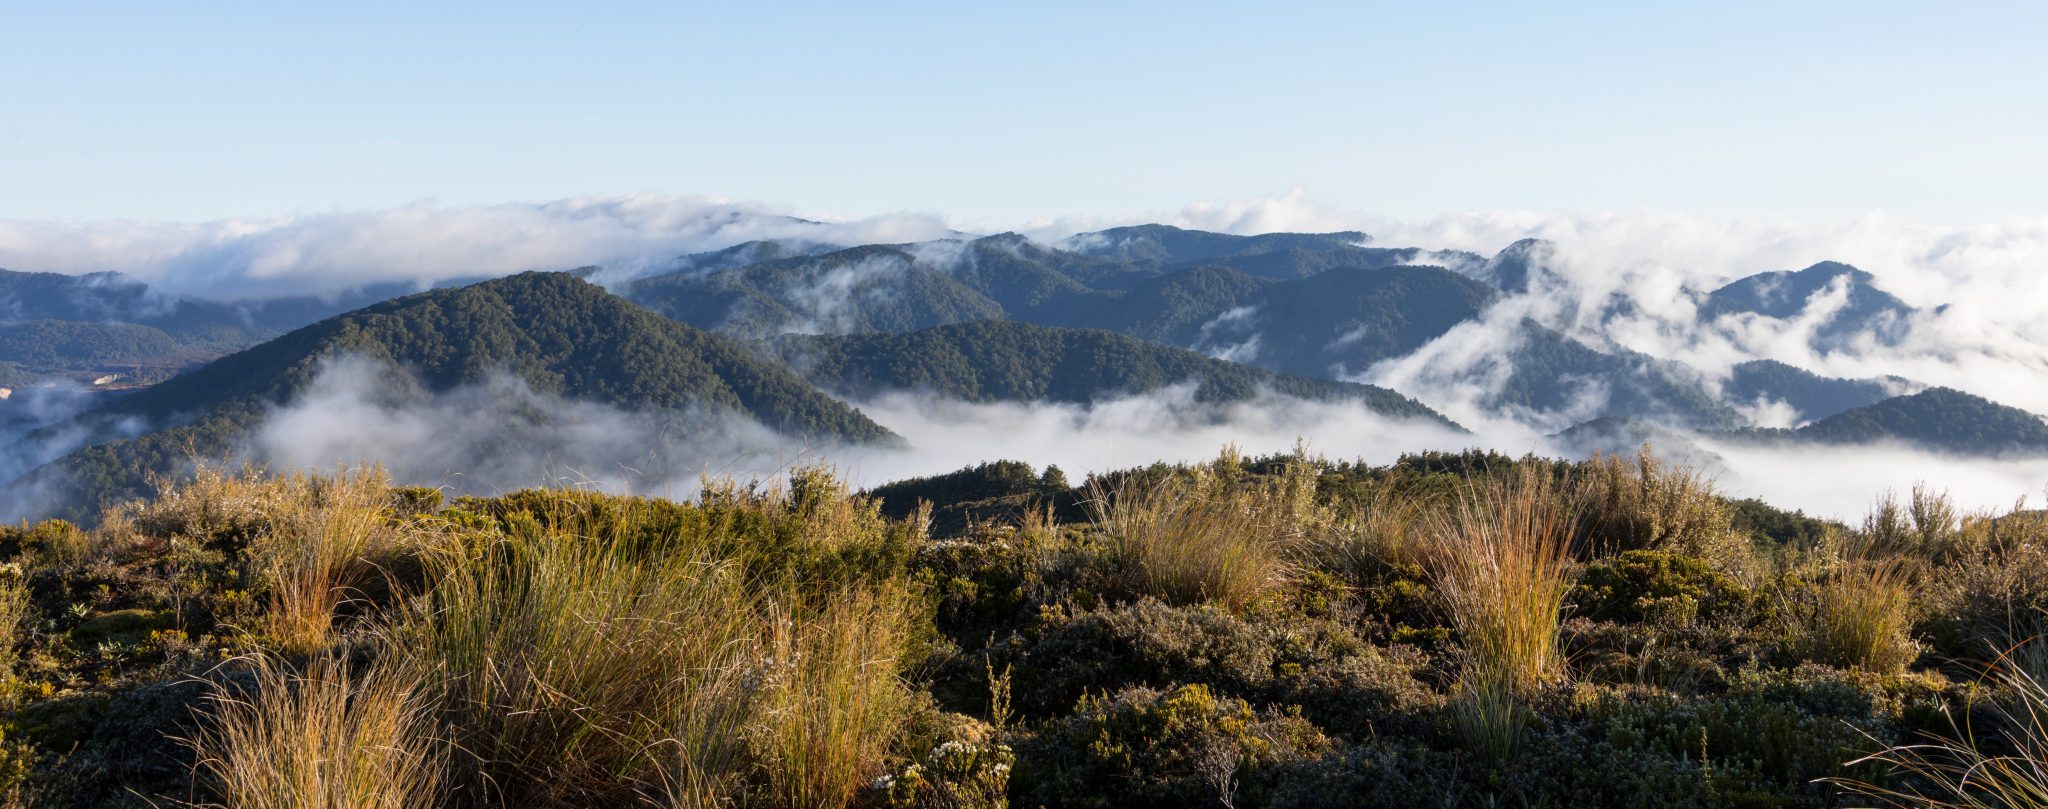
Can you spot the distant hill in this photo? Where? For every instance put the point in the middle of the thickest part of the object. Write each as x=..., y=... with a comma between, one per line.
x=1611, y=435
x=1344, y=319
x=1163, y=245
x=1813, y=396
x=1553, y=373
x=51, y=322
x=860, y=289
x=1937, y=418
x=1865, y=309
x=1009, y=361
x=1349, y=314
x=560, y=334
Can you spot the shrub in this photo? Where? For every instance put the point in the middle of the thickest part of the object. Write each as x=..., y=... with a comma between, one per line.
x=957, y=774
x=1338, y=680
x=1143, y=748
x=1660, y=587
x=2002, y=764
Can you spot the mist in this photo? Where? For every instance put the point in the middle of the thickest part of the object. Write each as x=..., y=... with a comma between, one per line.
x=501, y=435
x=425, y=243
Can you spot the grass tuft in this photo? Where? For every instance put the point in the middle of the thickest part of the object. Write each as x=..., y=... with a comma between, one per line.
x=1187, y=541
x=329, y=738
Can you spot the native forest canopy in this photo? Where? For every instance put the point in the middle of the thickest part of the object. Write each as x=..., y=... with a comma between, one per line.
x=766, y=525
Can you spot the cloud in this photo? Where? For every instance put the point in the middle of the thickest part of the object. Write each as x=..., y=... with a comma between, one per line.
x=500, y=435
x=423, y=243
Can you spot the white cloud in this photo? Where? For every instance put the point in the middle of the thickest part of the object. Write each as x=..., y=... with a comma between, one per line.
x=422, y=243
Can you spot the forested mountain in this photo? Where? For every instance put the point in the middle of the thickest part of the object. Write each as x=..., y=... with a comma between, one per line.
x=1937, y=418
x=1317, y=323
x=1863, y=310
x=1552, y=373
x=51, y=322
x=559, y=334
x=1162, y=245
x=860, y=289
x=1341, y=321
x=1008, y=361
x=1813, y=396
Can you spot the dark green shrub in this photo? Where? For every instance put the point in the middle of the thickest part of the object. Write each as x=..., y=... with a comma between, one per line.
x=1658, y=587
x=1146, y=748
x=1338, y=680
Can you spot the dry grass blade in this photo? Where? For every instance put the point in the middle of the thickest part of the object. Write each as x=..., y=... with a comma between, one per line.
x=330, y=738
x=1185, y=542
x=1500, y=558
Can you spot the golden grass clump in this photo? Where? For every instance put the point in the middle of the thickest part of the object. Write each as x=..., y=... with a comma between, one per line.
x=15, y=609
x=1500, y=558
x=1647, y=504
x=1383, y=533
x=331, y=737
x=829, y=702
x=1191, y=539
x=1859, y=613
x=583, y=669
x=326, y=545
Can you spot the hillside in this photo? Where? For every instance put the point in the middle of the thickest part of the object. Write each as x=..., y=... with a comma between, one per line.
x=1343, y=320
x=1938, y=418
x=1008, y=361
x=1553, y=373
x=53, y=323
x=561, y=335
x=872, y=288
x=1811, y=395
x=1864, y=309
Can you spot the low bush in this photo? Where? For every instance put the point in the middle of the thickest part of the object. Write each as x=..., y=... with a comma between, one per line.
x=1146, y=748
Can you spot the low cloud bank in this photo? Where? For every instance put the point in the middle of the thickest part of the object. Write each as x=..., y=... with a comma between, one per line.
x=502, y=435
x=422, y=244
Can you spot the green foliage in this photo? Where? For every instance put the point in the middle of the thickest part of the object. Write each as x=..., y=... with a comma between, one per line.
x=1812, y=395
x=793, y=644
x=1650, y=586
x=58, y=344
x=1146, y=748
x=1342, y=683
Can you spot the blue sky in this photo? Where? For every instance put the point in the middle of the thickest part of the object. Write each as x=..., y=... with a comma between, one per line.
x=997, y=114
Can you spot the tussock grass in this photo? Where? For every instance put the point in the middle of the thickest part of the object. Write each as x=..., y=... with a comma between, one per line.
x=1859, y=615
x=1191, y=540
x=330, y=737
x=1969, y=767
x=1645, y=503
x=644, y=664
x=16, y=606
x=829, y=701
x=331, y=541
x=1385, y=532
x=1500, y=557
